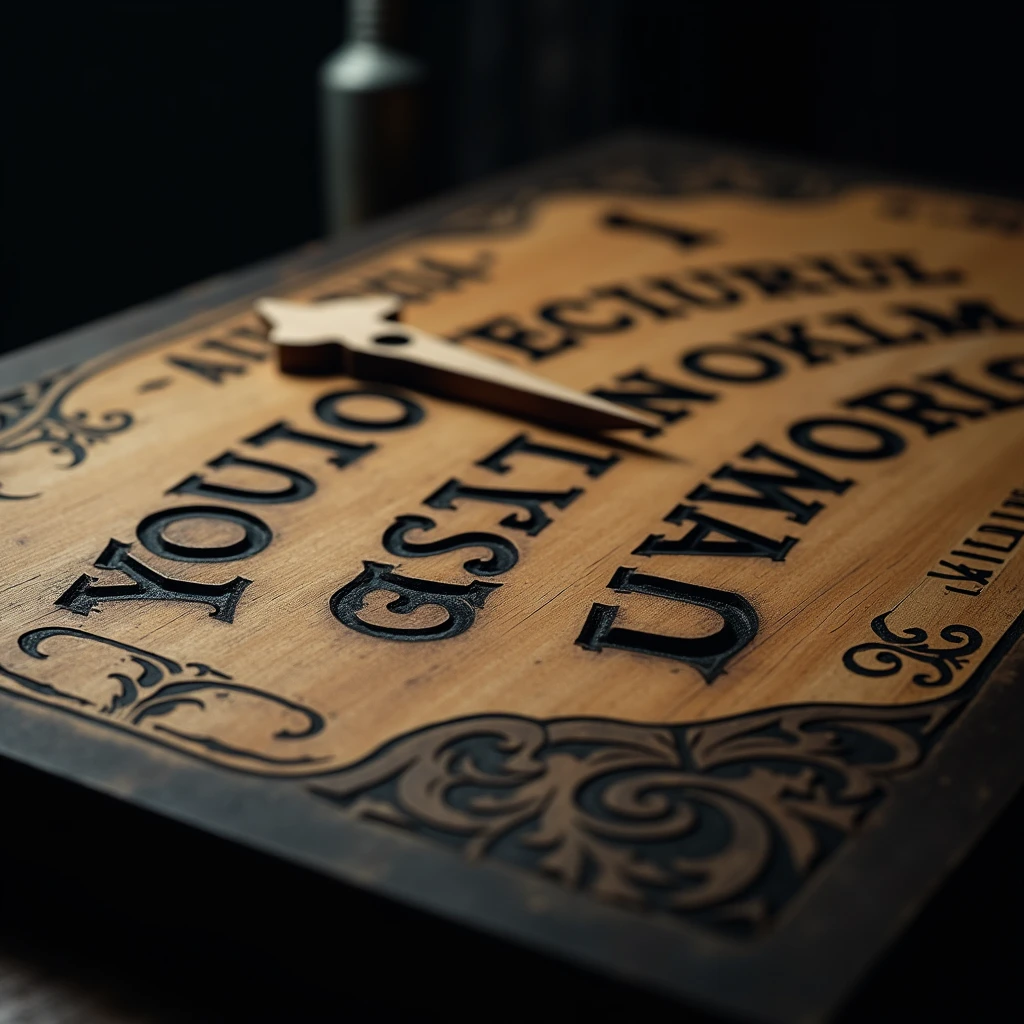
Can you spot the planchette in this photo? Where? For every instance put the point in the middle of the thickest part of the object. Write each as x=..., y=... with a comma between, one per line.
x=659, y=682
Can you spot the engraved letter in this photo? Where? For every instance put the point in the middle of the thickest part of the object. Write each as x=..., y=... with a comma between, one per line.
x=741, y=543
x=772, y=490
x=660, y=397
x=497, y=461
x=707, y=654
x=459, y=602
x=148, y=585
x=300, y=486
x=257, y=535
x=533, y=502
x=504, y=553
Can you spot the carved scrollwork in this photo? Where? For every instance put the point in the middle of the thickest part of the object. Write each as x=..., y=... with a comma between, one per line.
x=887, y=658
x=190, y=705
x=34, y=414
x=720, y=821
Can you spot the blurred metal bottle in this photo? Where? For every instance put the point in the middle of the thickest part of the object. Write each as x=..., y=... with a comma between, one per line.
x=370, y=121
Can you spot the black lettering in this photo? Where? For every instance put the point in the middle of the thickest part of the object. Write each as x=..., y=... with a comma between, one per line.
x=999, y=531
x=213, y=372
x=408, y=413
x=659, y=397
x=219, y=345
x=979, y=558
x=917, y=407
x=878, y=337
x=507, y=331
x=707, y=654
x=887, y=443
x=504, y=553
x=777, y=280
x=459, y=602
x=969, y=317
x=685, y=238
x=497, y=462
x=741, y=543
x=997, y=403
x=772, y=490
x=554, y=314
x=256, y=534
x=299, y=486
x=345, y=452
x=764, y=366
x=793, y=337
x=148, y=585
x=533, y=502
x=719, y=294
x=962, y=573
x=916, y=274
x=872, y=278
x=639, y=301
x=1008, y=369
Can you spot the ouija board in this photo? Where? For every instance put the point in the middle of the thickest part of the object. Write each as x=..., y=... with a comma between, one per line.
x=709, y=708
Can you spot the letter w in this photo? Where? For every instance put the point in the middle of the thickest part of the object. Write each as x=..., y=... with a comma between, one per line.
x=772, y=490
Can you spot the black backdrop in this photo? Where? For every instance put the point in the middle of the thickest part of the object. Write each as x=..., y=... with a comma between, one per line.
x=148, y=145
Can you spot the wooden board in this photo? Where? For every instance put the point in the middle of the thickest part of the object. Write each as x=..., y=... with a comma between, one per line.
x=666, y=686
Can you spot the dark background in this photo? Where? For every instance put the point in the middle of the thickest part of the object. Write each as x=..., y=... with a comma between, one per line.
x=148, y=145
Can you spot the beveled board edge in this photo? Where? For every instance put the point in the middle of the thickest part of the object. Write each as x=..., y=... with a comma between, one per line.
x=819, y=948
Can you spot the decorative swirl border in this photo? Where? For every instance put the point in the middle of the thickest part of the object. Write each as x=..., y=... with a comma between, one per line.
x=34, y=414
x=145, y=702
x=913, y=643
x=720, y=821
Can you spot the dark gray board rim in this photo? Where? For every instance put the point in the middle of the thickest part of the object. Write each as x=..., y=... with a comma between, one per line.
x=801, y=970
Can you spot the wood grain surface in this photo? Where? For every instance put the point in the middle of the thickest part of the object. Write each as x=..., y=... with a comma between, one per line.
x=867, y=535
x=674, y=671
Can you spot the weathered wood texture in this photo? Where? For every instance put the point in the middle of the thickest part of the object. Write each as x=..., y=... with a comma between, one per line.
x=675, y=671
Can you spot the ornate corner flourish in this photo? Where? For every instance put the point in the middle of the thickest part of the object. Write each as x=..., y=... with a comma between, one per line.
x=914, y=644
x=181, y=705
x=34, y=414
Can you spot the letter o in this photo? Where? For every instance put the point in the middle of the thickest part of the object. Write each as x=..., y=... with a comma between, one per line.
x=409, y=413
x=765, y=367
x=887, y=443
x=257, y=536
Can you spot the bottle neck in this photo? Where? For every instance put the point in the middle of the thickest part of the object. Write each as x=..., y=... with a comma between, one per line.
x=364, y=21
